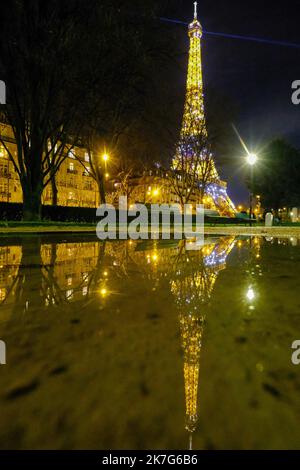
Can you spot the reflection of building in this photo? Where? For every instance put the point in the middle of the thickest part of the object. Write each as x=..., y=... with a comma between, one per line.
x=63, y=273
x=75, y=186
x=10, y=258
x=192, y=292
x=74, y=264
x=66, y=274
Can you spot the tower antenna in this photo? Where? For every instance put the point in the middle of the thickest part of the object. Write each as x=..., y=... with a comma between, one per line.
x=195, y=12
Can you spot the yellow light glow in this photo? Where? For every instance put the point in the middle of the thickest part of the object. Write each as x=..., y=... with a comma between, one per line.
x=105, y=157
x=155, y=192
x=250, y=294
x=103, y=292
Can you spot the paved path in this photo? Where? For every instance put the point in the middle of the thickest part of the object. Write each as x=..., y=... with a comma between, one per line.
x=217, y=230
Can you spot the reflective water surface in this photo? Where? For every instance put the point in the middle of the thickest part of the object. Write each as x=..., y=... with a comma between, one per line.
x=146, y=345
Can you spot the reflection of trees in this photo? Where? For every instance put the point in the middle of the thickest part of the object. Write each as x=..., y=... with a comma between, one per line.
x=10, y=258
x=50, y=274
x=71, y=270
x=121, y=256
x=28, y=282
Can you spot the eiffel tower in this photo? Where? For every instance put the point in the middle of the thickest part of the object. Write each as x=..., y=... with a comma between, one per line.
x=194, y=124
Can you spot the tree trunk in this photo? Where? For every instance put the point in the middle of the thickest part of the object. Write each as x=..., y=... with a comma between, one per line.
x=101, y=188
x=32, y=205
x=54, y=191
x=30, y=277
x=202, y=193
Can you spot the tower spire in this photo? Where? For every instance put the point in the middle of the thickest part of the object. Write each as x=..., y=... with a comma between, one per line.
x=195, y=11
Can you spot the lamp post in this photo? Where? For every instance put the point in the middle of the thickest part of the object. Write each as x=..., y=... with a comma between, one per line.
x=105, y=158
x=100, y=176
x=251, y=160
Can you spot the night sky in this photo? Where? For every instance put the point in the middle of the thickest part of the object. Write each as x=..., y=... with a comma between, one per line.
x=256, y=77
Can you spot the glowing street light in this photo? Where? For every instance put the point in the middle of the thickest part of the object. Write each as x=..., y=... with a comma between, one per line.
x=250, y=294
x=251, y=159
x=103, y=292
x=105, y=158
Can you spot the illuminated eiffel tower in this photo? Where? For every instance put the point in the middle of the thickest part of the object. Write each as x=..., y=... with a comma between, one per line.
x=194, y=124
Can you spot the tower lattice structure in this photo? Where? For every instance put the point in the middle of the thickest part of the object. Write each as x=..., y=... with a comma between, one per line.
x=194, y=133
x=192, y=294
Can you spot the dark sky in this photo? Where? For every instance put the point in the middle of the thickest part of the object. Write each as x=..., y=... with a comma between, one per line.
x=257, y=77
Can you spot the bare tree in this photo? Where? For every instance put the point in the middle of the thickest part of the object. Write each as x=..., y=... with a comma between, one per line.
x=192, y=167
x=37, y=52
x=62, y=59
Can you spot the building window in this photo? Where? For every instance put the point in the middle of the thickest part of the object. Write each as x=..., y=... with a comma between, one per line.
x=86, y=157
x=88, y=185
x=3, y=189
x=71, y=166
x=69, y=294
x=84, y=290
x=71, y=154
x=3, y=170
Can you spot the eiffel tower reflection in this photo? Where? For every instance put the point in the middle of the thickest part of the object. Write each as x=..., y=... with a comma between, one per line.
x=192, y=293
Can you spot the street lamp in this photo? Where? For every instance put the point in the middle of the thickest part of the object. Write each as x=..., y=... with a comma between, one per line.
x=105, y=158
x=251, y=160
x=250, y=294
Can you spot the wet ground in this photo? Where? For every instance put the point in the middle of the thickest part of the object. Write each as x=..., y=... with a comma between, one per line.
x=135, y=345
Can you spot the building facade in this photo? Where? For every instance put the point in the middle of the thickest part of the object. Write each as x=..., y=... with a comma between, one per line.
x=76, y=187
